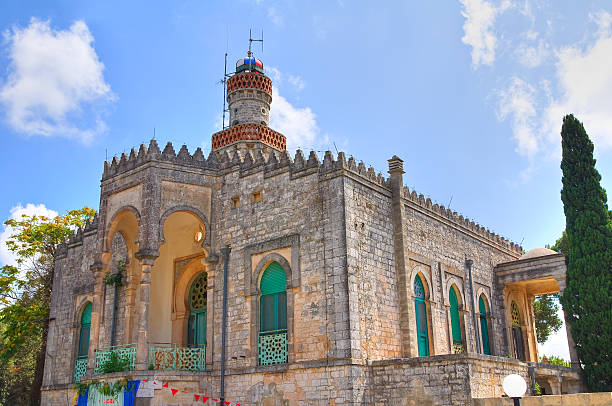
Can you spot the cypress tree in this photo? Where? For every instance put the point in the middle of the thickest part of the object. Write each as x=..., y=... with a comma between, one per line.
x=587, y=299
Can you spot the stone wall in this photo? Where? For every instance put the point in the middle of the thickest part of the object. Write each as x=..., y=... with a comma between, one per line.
x=444, y=380
x=72, y=287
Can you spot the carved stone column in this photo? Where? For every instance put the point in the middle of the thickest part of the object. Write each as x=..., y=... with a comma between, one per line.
x=98, y=270
x=147, y=259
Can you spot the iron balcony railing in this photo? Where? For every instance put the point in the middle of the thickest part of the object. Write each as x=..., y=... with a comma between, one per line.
x=175, y=358
x=80, y=368
x=118, y=358
x=273, y=347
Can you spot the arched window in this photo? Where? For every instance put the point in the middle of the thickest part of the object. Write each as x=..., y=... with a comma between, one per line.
x=517, y=333
x=273, y=316
x=196, y=325
x=421, y=317
x=80, y=366
x=484, y=328
x=455, y=321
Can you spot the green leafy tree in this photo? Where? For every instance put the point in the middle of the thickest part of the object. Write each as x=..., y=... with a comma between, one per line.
x=25, y=295
x=546, y=314
x=587, y=299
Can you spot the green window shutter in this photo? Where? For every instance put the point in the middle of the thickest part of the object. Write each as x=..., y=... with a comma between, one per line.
x=273, y=303
x=84, y=332
x=421, y=316
x=484, y=328
x=454, y=313
x=273, y=279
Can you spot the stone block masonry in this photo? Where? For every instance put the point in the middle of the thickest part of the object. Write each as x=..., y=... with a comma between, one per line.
x=331, y=224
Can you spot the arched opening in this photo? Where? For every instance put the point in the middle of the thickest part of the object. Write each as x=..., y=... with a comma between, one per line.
x=457, y=339
x=196, y=325
x=421, y=317
x=273, y=316
x=517, y=333
x=484, y=326
x=83, y=350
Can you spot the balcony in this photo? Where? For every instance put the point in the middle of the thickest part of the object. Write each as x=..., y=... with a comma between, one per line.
x=80, y=368
x=118, y=358
x=272, y=347
x=175, y=358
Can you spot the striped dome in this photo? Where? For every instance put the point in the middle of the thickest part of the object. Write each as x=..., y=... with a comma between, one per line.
x=249, y=64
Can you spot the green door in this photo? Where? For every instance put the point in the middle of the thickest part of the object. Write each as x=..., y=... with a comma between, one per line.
x=421, y=316
x=196, y=326
x=484, y=328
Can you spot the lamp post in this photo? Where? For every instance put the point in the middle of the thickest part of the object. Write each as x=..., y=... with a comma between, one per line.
x=226, y=252
x=514, y=386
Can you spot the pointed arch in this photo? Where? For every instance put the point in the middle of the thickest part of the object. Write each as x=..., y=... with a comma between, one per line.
x=483, y=310
x=456, y=330
x=273, y=337
x=420, y=295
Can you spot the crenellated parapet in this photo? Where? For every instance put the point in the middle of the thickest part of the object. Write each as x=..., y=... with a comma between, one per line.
x=457, y=219
x=280, y=161
x=76, y=238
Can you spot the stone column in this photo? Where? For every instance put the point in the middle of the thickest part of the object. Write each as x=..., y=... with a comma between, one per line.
x=94, y=342
x=396, y=170
x=147, y=259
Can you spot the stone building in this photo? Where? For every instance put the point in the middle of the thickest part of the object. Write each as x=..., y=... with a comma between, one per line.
x=344, y=287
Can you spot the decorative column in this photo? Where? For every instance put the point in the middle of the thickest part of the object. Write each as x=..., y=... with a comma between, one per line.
x=98, y=270
x=147, y=258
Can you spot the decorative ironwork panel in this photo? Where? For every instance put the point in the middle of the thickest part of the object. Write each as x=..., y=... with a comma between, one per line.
x=418, y=288
x=124, y=352
x=458, y=348
x=80, y=368
x=178, y=358
x=273, y=347
x=516, y=316
x=197, y=296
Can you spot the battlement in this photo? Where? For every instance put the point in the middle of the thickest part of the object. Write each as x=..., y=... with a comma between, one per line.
x=76, y=238
x=454, y=217
x=300, y=165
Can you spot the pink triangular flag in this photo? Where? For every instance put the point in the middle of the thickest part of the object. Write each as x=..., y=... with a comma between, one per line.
x=226, y=403
x=196, y=397
x=204, y=399
x=144, y=380
x=174, y=391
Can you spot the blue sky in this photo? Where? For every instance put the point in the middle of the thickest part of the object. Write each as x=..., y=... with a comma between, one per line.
x=470, y=93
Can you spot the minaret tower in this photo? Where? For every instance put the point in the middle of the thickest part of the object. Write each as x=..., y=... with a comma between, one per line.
x=249, y=95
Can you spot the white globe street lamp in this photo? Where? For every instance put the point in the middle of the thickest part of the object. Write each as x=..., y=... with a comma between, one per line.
x=515, y=387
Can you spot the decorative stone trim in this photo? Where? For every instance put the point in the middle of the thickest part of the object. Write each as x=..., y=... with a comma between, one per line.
x=249, y=132
x=293, y=272
x=249, y=80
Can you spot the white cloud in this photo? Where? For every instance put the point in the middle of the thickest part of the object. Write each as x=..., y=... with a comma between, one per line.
x=6, y=256
x=278, y=78
x=478, y=28
x=532, y=56
x=297, y=82
x=517, y=102
x=585, y=85
x=299, y=125
x=55, y=80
